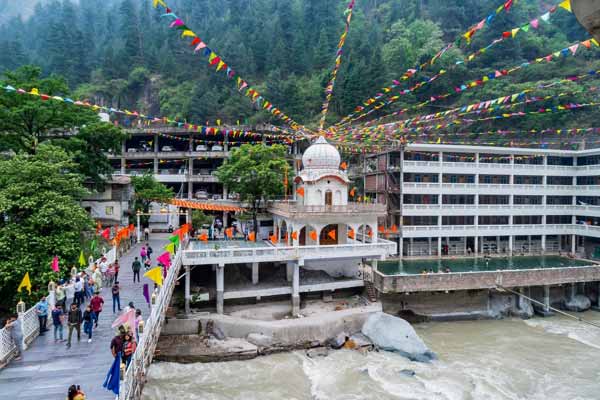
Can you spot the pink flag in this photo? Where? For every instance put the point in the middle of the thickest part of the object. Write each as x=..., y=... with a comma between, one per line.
x=534, y=23
x=165, y=259
x=127, y=318
x=55, y=264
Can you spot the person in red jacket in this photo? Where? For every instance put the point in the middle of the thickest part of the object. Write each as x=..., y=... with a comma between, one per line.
x=96, y=303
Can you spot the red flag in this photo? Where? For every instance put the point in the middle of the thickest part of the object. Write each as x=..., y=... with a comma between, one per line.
x=55, y=264
x=106, y=233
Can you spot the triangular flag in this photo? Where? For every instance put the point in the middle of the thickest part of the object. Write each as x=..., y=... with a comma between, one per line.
x=332, y=235
x=82, y=261
x=351, y=233
x=251, y=236
x=534, y=23
x=203, y=237
x=155, y=275
x=313, y=235
x=545, y=17
x=273, y=238
x=566, y=5
x=294, y=235
x=394, y=228
x=514, y=32
x=352, y=192
x=300, y=191
x=25, y=283
x=174, y=239
x=170, y=248
x=106, y=233
x=574, y=48
x=164, y=259
x=93, y=245
x=343, y=165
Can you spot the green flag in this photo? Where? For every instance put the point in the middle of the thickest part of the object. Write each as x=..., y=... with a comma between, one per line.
x=82, y=259
x=174, y=239
x=93, y=245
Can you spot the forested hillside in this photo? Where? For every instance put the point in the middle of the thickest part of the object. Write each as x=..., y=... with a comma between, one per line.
x=122, y=54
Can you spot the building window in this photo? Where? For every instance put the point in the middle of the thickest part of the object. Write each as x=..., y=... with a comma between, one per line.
x=109, y=210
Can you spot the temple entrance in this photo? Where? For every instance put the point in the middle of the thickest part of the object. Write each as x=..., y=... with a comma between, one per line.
x=328, y=198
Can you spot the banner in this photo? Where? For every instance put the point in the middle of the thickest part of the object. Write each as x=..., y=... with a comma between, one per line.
x=336, y=67
x=219, y=64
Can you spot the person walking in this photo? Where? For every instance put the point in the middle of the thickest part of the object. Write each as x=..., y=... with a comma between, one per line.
x=96, y=303
x=41, y=309
x=74, y=320
x=139, y=324
x=61, y=296
x=149, y=250
x=16, y=333
x=57, y=320
x=136, y=266
x=116, y=298
x=116, y=267
x=88, y=322
x=146, y=233
x=147, y=264
x=143, y=253
x=129, y=347
x=78, y=286
x=116, y=344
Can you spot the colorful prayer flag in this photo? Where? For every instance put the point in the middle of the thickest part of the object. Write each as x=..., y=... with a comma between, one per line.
x=25, y=283
x=155, y=275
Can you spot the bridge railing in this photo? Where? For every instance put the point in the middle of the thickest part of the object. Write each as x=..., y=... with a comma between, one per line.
x=135, y=375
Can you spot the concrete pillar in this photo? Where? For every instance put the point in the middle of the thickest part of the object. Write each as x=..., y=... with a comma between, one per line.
x=187, y=290
x=429, y=247
x=296, y=288
x=411, y=246
x=220, y=287
x=573, y=244
x=439, y=246
x=289, y=269
x=155, y=155
x=529, y=243
x=374, y=264
x=123, y=161
x=543, y=243
x=476, y=245
x=400, y=247
x=254, y=273
x=547, y=298
x=572, y=290
x=510, y=245
x=225, y=219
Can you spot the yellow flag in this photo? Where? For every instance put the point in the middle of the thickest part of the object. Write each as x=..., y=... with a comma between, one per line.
x=155, y=3
x=155, y=275
x=170, y=248
x=187, y=32
x=35, y=92
x=566, y=5
x=82, y=259
x=25, y=283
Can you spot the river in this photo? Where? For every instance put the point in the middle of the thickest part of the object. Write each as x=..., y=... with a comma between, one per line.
x=554, y=358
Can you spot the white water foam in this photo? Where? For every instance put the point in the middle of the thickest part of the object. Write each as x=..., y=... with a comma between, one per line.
x=575, y=330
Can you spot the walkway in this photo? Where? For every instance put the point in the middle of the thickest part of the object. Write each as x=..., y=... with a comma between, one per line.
x=48, y=369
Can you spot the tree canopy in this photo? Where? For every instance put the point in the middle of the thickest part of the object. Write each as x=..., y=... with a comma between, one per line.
x=255, y=172
x=147, y=191
x=42, y=217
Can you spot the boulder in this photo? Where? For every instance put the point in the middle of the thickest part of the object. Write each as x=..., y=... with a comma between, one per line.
x=361, y=340
x=395, y=334
x=408, y=372
x=337, y=341
x=578, y=303
x=317, y=352
x=260, y=340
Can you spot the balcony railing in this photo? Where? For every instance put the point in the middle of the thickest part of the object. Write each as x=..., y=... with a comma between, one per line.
x=350, y=208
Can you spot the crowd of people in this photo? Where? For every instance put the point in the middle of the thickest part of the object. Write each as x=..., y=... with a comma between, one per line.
x=78, y=303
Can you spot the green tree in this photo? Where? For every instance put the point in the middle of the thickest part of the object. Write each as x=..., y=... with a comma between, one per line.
x=147, y=191
x=26, y=121
x=199, y=219
x=256, y=173
x=41, y=218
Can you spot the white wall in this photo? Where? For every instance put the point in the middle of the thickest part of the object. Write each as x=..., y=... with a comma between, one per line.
x=314, y=194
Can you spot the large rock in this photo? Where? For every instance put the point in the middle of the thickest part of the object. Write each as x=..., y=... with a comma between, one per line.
x=337, y=341
x=578, y=303
x=395, y=334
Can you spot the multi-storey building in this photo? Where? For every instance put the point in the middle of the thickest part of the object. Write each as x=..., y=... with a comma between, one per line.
x=460, y=200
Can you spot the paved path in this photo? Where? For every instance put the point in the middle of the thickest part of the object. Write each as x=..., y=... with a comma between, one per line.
x=48, y=369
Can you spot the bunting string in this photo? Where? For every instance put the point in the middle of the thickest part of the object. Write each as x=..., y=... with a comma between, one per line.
x=220, y=65
x=336, y=67
x=377, y=102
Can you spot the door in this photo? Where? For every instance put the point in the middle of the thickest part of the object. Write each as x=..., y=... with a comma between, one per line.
x=328, y=198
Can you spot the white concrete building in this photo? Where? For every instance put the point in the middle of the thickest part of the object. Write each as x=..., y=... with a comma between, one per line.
x=320, y=230
x=111, y=204
x=456, y=200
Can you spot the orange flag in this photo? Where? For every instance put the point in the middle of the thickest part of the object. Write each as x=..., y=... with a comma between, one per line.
x=273, y=238
x=203, y=237
x=313, y=235
x=352, y=192
x=370, y=233
x=229, y=232
x=394, y=228
x=251, y=236
x=300, y=191
x=351, y=233
x=381, y=228
x=343, y=165
x=331, y=234
x=294, y=235
x=285, y=237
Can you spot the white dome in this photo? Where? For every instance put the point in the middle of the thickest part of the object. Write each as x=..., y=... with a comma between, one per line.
x=321, y=155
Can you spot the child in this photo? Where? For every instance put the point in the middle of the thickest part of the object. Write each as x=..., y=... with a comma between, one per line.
x=128, y=348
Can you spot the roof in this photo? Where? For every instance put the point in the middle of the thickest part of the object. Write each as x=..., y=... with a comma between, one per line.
x=205, y=206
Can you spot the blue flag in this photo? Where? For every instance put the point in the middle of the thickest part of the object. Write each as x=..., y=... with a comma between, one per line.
x=114, y=375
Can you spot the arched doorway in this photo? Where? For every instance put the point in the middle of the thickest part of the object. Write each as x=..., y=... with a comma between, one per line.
x=308, y=236
x=329, y=235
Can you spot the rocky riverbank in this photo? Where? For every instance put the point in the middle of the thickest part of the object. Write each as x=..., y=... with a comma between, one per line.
x=378, y=331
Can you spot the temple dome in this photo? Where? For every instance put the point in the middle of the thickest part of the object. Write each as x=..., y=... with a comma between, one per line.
x=321, y=155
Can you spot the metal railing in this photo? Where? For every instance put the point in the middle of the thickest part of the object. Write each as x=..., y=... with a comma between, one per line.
x=135, y=375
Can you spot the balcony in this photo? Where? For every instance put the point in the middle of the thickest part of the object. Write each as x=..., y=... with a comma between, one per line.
x=498, y=168
x=381, y=250
x=496, y=188
x=292, y=209
x=499, y=230
x=498, y=209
